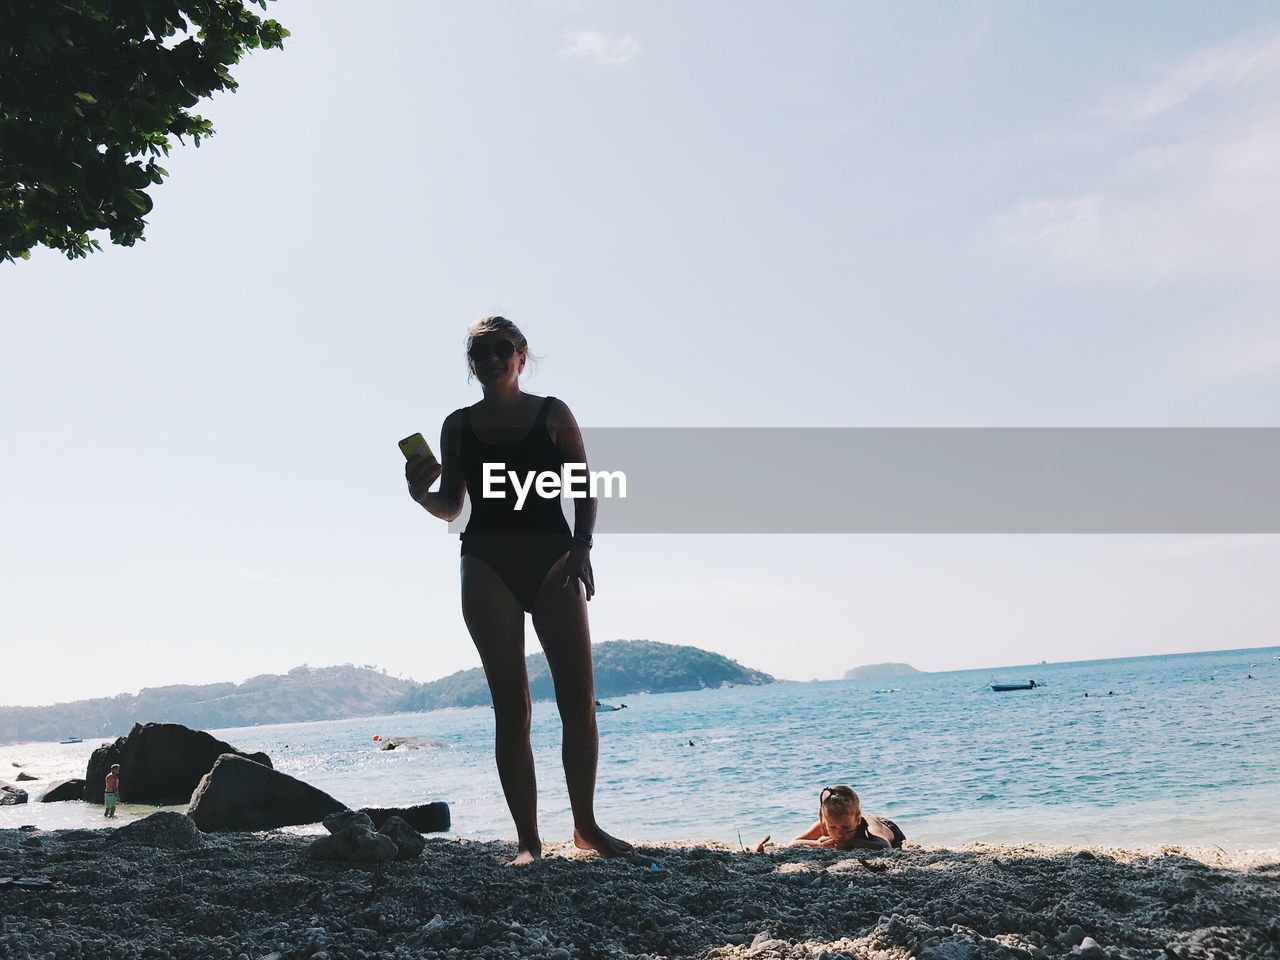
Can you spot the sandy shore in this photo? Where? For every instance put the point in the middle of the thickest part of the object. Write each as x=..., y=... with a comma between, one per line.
x=258, y=895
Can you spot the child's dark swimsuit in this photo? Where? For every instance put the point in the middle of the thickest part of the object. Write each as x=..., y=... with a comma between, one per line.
x=520, y=545
x=898, y=836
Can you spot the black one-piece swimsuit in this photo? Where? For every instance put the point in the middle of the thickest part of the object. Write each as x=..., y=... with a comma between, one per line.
x=862, y=832
x=520, y=545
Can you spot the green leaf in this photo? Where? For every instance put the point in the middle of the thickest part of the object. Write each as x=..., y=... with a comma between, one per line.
x=141, y=202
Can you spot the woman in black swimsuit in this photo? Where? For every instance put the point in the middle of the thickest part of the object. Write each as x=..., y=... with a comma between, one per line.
x=842, y=824
x=522, y=561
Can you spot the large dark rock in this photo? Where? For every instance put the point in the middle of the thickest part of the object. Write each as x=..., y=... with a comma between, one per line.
x=355, y=844
x=63, y=790
x=408, y=841
x=425, y=818
x=238, y=794
x=166, y=829
x=159, y=763
x=11, y=796
x=337, y=822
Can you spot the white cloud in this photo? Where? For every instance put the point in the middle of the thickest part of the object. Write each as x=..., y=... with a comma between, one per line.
x=1150, y=207
x=1260, y=357
x=594, y=47
x=249, y=574
x=1213, y=356
x=1240, y=63
x=1064, y=229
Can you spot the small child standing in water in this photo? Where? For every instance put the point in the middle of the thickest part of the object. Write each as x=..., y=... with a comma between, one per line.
x=111, y=794
x=842, y=824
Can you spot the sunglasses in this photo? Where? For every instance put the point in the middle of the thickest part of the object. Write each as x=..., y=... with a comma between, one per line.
x=502, y=349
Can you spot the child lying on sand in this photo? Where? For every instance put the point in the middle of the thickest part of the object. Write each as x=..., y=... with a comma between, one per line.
x=842, y=824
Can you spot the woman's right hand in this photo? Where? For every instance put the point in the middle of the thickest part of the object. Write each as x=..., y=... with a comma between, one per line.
x=420, y=473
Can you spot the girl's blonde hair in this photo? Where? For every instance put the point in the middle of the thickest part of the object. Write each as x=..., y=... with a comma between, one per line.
x=495, y=325
x=838, y=800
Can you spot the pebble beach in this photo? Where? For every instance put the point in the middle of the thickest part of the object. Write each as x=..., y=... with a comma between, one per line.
x=257, y=896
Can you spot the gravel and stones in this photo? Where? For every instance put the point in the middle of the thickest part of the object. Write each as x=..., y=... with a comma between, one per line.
x=258, y=895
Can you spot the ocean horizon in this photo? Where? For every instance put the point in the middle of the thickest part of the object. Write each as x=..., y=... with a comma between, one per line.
x=1166, y=749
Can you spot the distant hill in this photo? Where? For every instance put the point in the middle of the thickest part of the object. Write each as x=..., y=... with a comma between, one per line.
x=304, y=693
x=331, y=693
x=880, y=671
x=622, y=667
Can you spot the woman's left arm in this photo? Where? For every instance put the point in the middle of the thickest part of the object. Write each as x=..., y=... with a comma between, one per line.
x=568, y=440
x=813, y=833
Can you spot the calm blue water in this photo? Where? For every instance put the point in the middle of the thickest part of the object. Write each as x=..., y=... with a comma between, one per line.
x=1186, y=749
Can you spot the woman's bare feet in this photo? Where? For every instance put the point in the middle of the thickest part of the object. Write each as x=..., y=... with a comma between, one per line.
x=596, y=839
x=525, y=857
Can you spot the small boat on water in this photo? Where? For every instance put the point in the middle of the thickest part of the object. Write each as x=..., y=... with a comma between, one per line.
x=71, y=740
x=1004, y=687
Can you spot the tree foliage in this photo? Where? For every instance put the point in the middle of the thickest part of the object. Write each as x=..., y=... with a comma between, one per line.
x=91, y=93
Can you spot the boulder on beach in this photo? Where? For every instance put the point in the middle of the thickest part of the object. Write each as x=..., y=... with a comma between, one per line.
x=172, y=831
x=239, y=794
x=159, y=763
x=425, y=817
x=409, y=842
x=25, y=776
x=410, y=743
x=337, y=822
x=63, y=790
x=11, y=796
x=356, y=844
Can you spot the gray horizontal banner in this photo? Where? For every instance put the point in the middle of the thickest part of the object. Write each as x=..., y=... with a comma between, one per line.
x=934, y=480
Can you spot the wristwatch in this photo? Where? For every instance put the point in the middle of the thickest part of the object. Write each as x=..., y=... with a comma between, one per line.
x=583, y=537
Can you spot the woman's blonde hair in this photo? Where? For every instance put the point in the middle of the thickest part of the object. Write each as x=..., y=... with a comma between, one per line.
x=495, y=325
x=839, y=799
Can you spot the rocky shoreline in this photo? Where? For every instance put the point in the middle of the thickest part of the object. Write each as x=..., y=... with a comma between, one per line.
x=245, y=896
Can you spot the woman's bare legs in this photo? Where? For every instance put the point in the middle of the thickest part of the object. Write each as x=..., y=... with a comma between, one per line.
x=560, y=619
x=495, y=620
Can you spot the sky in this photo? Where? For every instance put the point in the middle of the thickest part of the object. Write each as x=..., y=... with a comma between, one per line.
x=713, y=214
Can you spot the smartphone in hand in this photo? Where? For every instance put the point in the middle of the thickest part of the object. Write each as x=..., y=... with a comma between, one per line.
x=421, y=468
x=415, y=446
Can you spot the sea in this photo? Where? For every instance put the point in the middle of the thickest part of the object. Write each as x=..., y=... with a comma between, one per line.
x=1181, y=749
